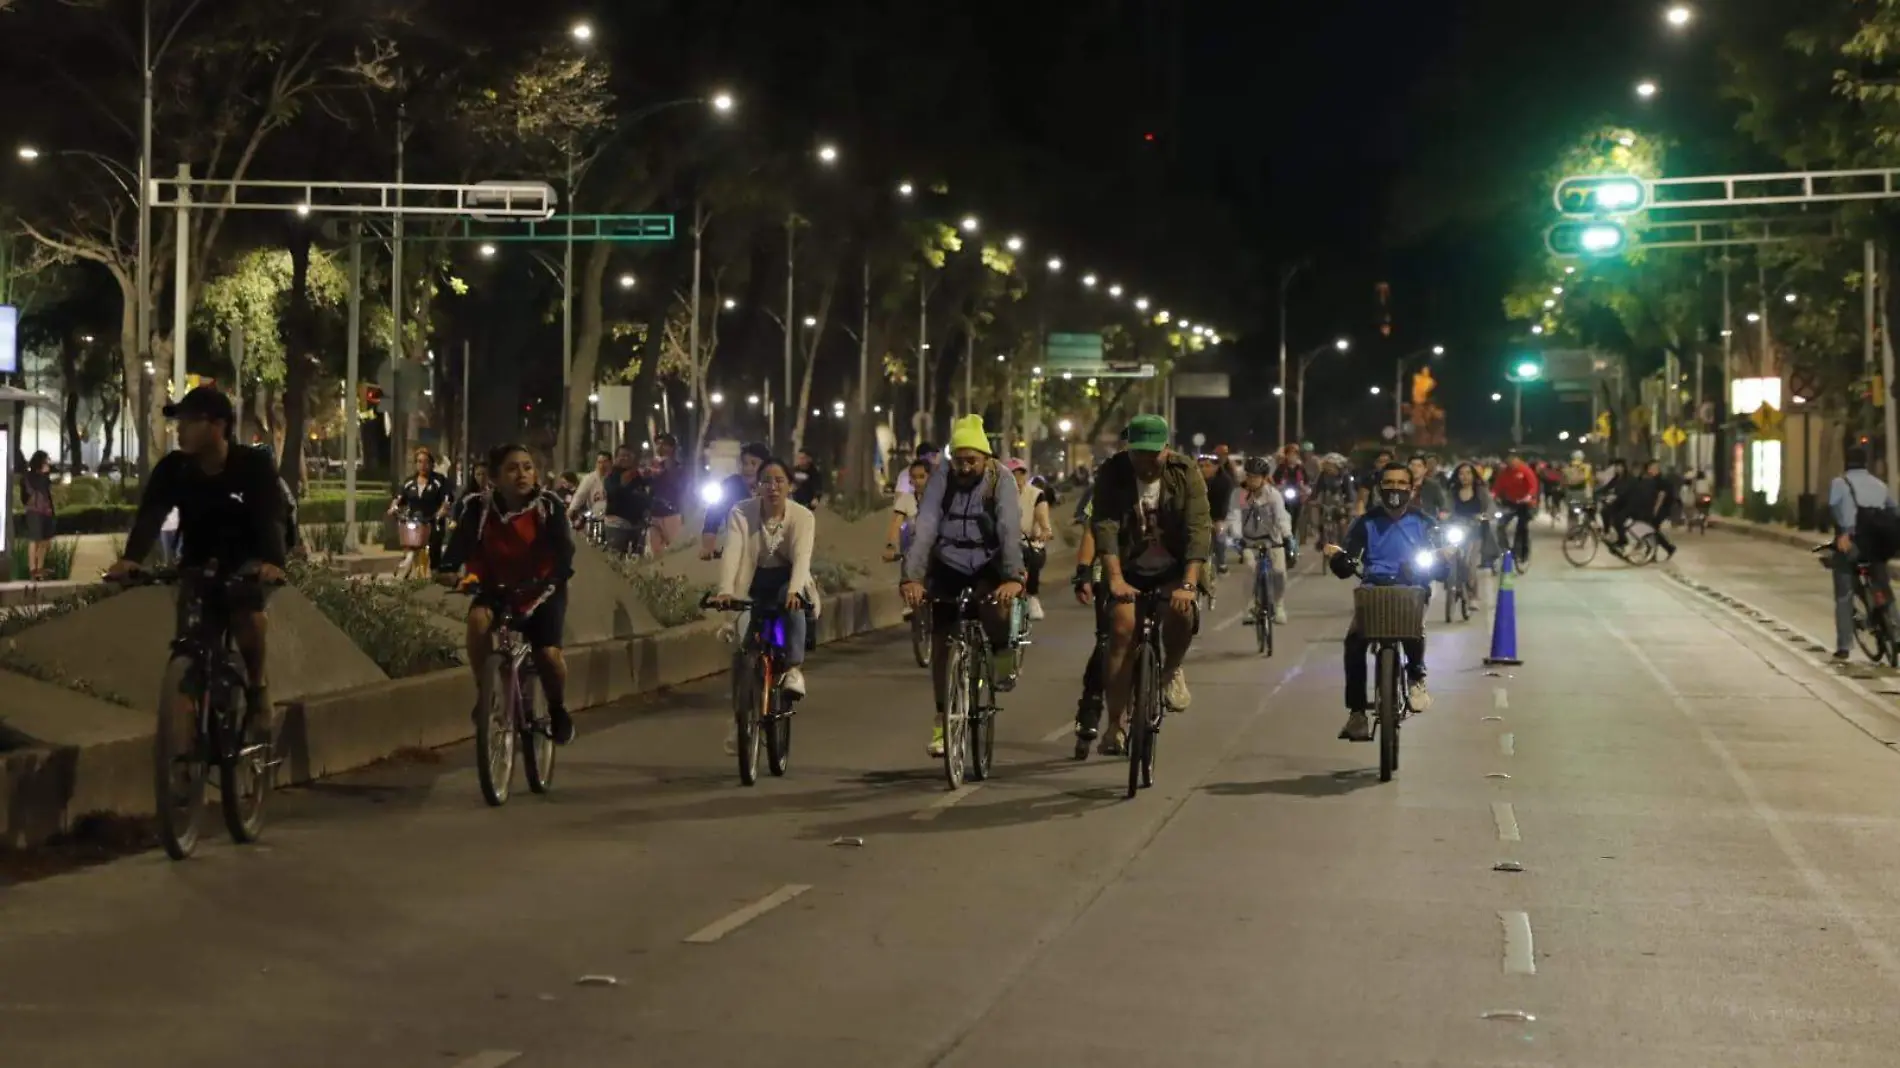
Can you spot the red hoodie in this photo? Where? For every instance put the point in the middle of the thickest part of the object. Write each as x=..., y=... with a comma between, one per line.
x=1515, y=483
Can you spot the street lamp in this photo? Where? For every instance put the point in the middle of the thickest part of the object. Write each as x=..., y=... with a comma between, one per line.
x=811, y=320
x=752, y=400
x=582, y=31
x=905, y=189
x=969, y=224
x=1754, y=317
x=1496, y=397
x=29, y=153
x=1063, y=426
x=1375, y=391
x=731, y=304
x=1679, y=15
x=1646, y=89
x=1306, y=360
x=827, y=154
x=1790, y=298
x=487, y=250
x=1115, y=291
x=1563, y=435
x=723, y=102
x=1141, y=303
x=1524, y=370
x=1055, y=264
x=1537, y=328
x=717, y=399
x=1278, y=392
x=1088, y=280
x=1014, y=244
x=627, y=281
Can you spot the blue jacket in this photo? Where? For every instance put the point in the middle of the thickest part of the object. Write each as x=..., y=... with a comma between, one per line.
x=1387, y=544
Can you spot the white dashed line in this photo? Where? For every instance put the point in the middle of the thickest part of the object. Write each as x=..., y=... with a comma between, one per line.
x=1500, y=698
x=1507, y=744
x=938, y=806
x=488, y=1058
x=1506, y=818
x=1519, y=958
x=1067, y=730
x=718, y=929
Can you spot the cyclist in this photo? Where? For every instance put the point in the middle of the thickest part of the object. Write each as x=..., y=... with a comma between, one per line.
x=231, y=511
x=733, y=491
x=1152, y=532
x=1332, y=498
x=517, y=535
x=1550, y=483
x=1384, y=543
x=1088, y=576
x=629, y=494
x=425, y=497
x=767, y=553
x=1852, y=493
x=1578, y=480
x=1289, y=473
x=1613, y=495
x=969, y=536
x=1220, y=503
x=1433, y=498
x=1515, y=489
x=904, y=510
x=1033, y=501
x=591, y=495
x=1266, y=519
x=1471, y=504
x=668, y=481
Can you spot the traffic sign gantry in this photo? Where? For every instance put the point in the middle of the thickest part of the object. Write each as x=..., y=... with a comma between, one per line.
x=1588, y=196
x=1599, y=238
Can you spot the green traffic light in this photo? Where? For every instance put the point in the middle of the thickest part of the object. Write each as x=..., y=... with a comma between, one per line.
x=1586, y=239
x=1530, y=370
x=1616, y=194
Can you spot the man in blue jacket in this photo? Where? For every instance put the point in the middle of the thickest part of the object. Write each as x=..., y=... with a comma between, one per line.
x=1382, y=549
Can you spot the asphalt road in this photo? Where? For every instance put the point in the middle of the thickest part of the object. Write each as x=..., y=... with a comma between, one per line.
x=1705, y=828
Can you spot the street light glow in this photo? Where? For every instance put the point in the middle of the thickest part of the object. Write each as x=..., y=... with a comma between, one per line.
x=811, y=320
x=1550, y=302
x=1055, y=263
x=582, y=31
x=1557, y=290
x=1646, y=90
x=1791, y=298
x=627, y=281
x=1497, y=397
x=905, y=189
x=723, y=102
x=827, y=153
x=1014, y=244
x=303, y=209
x=1065, y=425
x=717, y=399
x=1537, y=328
x=1754, y=317
x=1277, y=391
x=29, y=153
x=593, y=398
x=1563, y=435
x=1529, y=370
x=487, y=249
x=1115, y=291
x=1162, y=317
x=1141, y=303
x=1342, y=344
x=1000, y=358
x=969, y=224
x=1438, y=350
x=752, y=399
x=731, y=304
x=1375, y=391
x=1679, y=15
x=1088, y=280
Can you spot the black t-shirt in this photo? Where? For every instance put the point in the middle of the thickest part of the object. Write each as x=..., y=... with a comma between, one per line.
x=235, y=517
x=808, y=484
x=631, y=499
x=423, y=498
x=1220, y=494
x=1640, y=502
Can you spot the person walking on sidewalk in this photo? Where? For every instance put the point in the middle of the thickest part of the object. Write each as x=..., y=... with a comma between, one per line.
x=1853, y=498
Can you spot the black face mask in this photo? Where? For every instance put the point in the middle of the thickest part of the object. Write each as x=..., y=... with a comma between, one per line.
x=1394, y=500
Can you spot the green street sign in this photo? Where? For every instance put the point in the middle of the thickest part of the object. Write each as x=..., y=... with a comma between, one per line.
x=1587, y=239
x=584, y=228
x=1074, y=352
x=1611, y=194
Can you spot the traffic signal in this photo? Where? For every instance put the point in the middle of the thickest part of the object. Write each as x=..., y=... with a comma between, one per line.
x=1526, y=369
x=1575, y=239
x=1612, y=194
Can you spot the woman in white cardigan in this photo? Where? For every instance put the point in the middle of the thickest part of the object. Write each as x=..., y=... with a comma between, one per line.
x=768, y=554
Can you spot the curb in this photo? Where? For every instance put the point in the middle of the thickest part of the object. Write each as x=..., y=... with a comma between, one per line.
x=45, y=790
x=1800, y=539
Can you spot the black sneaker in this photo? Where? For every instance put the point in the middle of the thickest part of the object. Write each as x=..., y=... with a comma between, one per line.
x=1842, y=654
x=563, y=725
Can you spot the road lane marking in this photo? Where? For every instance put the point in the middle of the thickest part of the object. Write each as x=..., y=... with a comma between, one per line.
x=1067, y=730
x=488, y=1058
x=1518, y=956
x=1507, y=744
x=938, y=806
x=1500, y=698
x=718, y=929
x=1506, y=818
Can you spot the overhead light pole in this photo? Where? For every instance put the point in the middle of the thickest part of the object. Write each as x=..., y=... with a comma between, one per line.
x=1306, y=360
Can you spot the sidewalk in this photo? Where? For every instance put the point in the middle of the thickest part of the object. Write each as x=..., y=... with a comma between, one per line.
x=1775, y=532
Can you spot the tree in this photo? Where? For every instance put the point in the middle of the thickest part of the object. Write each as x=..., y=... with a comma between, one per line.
x=253, y=294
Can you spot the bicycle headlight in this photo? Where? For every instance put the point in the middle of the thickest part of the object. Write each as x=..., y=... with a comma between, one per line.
x=1423, y=560
x=1291, y=493
x=711, y=492
x=1497, y=515
x=1455, y=535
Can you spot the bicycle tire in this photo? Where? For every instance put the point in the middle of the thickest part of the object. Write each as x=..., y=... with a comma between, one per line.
x=1388, y=713
x=1865, y=634
x=1645, y=551
x=1141, y=719
x=956, y=717
x=179, y=774
x=778, y=744
x=240, y=766
x=1580, y=546
x=1464, y=600
x=748, y=696
x=920, y=635
x=1263, y=616
x=495, y=739
x=537, y=737
x=982, y=701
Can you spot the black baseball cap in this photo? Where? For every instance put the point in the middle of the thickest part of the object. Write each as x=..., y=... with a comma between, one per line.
x=204, y=402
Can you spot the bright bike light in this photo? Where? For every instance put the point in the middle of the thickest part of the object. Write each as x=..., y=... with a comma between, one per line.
x=1455, y=535
x=1291, y=493
x=1423, y=560
x=711, y=492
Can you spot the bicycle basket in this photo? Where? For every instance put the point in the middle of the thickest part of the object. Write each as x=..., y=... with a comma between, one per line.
x=1389, y=613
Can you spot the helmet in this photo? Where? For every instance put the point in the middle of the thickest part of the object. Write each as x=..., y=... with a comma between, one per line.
x=1259, y=465
x=1576, y=457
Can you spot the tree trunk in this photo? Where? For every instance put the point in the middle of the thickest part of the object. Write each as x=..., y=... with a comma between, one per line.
x=823, y=315
x=299, y=366
x=69, y=398
x=646, y=379
x=587, y=336
x=131, y=369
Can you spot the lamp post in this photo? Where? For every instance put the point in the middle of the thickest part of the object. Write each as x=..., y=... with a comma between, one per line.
x=1522, y=371
x=1306, y=360
x=1286, y=280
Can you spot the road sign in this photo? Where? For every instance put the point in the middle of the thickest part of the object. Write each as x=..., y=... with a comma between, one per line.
x=1202, y=385
x=1674, y=437
x=1767, y=420
x=1074, y=353
x=511, y=197
x=1199, y=439
x=1603, y=427
x=1575, y=239
x=1604, y=194
x=588, y=229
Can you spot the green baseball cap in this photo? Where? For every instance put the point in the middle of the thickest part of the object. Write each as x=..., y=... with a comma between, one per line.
x=1147, y=433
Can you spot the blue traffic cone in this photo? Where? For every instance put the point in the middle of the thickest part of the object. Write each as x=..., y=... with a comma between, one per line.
x=1504, y=622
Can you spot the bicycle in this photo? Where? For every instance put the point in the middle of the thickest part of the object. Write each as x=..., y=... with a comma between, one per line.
x=1874, y=628
x=203, y=687
x=1263, y=574
x=413, y=532
x=1697, y=518
x=761, y=709
x=509, y=727
x=1458, y=576
x=1582, y=539
x=1147, y=709
x=1387, y=617
x=969, y=721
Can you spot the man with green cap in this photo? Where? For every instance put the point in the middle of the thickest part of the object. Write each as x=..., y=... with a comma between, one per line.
x=1153, y=531
x=968, y=535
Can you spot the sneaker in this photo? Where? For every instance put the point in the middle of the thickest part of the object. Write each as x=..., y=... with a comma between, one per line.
x=1034, y=611
x=563, y=725
x=1114, y=743
x=732, y=739
x=794, y=682
x=1358, y=728
x=935, y=749
x=1842, y=654
x=1279, y=614
x=1420, y=697
x=1175, y=694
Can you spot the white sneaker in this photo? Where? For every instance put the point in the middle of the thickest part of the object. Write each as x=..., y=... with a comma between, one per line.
x=1035, y=610
x=1279, y=614
x=795, y=682
x=1421, y=698
x=732, y=739
x=1175, y=694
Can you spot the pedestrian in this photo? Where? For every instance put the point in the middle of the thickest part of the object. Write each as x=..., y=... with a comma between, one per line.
x=669, y=478
x=1865, y=528
x=808, y=482
x=36, y=496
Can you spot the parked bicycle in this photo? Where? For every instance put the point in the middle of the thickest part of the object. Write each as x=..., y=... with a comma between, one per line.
x=510, y=725
x=201, y=715
x=1875, y=629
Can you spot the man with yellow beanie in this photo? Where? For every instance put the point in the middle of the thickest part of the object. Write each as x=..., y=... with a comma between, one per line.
x=968, y=536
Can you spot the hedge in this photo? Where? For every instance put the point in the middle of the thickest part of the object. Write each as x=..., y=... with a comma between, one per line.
x=117, y=518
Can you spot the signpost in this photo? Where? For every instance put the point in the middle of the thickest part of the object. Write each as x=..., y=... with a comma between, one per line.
x=1674, y=437
x=1201, y=385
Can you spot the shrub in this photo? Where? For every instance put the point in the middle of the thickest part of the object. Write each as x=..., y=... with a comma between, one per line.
x=836, y=578
x=15, y=621
x=59, y=559
x=388, y=621
x=328, y=539
x=673, y=600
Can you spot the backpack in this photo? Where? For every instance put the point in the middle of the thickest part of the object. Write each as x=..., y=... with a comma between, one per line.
x=1876, y=530
x=986, y=519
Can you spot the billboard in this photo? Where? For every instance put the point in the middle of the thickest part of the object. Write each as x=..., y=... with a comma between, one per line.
x=9, y=340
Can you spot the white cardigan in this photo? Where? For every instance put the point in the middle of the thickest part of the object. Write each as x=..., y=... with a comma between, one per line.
x=745, y=543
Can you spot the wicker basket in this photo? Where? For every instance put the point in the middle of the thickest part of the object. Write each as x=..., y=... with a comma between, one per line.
x=1389, y=613
x=412, y=533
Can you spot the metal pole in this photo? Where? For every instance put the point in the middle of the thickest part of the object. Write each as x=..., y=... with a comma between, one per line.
x=1286, y=280
x=1891, y=419
x=969, y=370
x=144, y=343
x=237, y=380
x=181, y=280
x=1870, y=273
x=692, y=328
x=791, y=274
x=399, y=430
x=567, y=300
x=1398, y=401
x=1763, y=364
x=1728, y=364
x=466, y=465
x=867, y=480
x=1517, y=415
x=352, y=369
x=923, y=348
x=1299, y=407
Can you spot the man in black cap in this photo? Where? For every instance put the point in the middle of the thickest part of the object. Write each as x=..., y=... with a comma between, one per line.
x=231, y=510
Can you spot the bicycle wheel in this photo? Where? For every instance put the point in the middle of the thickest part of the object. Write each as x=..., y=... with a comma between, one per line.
x=956, y=715
x=537, y=735
x=1642, y=551
x=494, y=732
x=1580, y=545
x=1388, y=712
x=1452, y=588
x=982, y=732
x=751, y=689
x=920, y=635
x=1867, y=629
x=178, y=766
x=1141, y=717
x=243, y=768
x=1263, y=616
x=778, y=733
